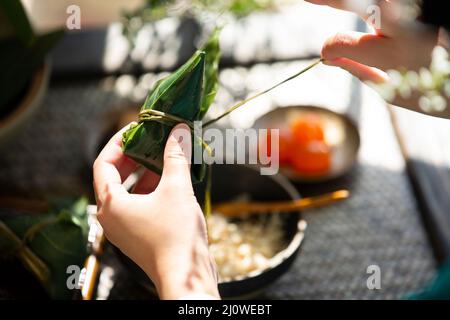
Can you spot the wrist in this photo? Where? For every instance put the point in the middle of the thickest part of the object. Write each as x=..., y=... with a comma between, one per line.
x=180, y=275
x=182, y=286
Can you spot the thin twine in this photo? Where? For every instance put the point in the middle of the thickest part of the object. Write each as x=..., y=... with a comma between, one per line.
x=163, y=117
x=240, y=103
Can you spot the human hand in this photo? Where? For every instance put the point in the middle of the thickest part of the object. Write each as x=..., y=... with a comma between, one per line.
x=398, y=43
x=160, y=226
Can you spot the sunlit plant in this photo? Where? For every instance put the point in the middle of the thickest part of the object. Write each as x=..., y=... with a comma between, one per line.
x=200, y=10
x=432, y=83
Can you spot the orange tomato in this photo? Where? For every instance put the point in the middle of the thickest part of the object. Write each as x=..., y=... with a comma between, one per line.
x=302, y=146
x=314, y=157
x=284, y=145
x=307, y=128
x=309, y=152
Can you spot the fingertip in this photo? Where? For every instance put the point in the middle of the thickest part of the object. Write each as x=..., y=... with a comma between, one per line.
x=182, y=126
x=334, y=45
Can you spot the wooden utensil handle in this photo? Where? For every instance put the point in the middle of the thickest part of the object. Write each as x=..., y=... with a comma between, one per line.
x=236, y=208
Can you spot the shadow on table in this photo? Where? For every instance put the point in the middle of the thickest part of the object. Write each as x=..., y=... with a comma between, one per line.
x=431, y=184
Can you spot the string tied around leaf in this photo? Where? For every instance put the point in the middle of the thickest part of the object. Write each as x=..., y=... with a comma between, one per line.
x=162, y=117
x=169, y=119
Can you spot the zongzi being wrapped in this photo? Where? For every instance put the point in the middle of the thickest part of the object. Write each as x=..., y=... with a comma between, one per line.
x=183, y=96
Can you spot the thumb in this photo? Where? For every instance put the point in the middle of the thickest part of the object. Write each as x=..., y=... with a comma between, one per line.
x=177, y=157
x=368, y=49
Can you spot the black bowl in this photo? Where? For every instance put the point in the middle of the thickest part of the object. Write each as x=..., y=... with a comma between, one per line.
x=230, y=181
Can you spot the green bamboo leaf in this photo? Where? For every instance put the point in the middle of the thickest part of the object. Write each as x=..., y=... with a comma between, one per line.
x=180, y=94
x=185, y=95
x=76, y=214
x=211, y=85
x=58, y=239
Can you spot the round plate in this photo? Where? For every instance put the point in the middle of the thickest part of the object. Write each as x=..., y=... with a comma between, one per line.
x=341, y=134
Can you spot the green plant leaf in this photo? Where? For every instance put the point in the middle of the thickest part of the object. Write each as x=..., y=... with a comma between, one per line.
x=59, y=239
x=212, y=49
x=180, y=93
